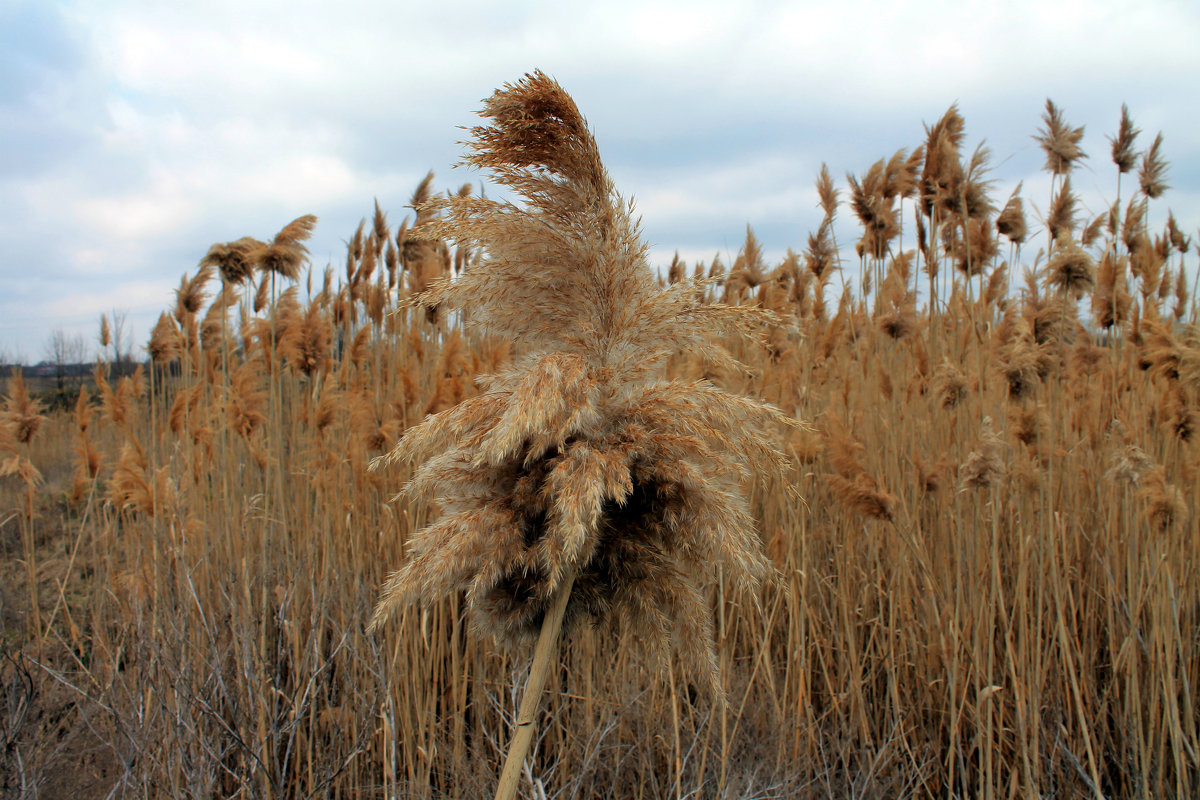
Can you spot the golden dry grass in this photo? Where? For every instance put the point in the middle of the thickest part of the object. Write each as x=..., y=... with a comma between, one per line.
x=985, y=547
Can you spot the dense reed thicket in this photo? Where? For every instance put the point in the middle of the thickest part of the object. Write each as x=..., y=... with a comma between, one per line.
x=985, y=551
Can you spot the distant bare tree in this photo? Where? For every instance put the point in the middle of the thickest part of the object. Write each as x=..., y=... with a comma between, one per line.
x=65, y=351
x=8, y=360
x=122, y=339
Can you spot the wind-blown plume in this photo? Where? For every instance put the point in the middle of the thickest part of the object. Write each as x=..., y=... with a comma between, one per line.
x=983, y=466
x=190, y=296
x=1059, y=141
x=1061, y=218
x=581, y=458
x=1011, y=222
x=22, y=414
x=425, y=256
x=1122, y=145
x=747, y=271
x=1111, y=299
x=1071, y=271
x=1152, y=176
x=233, y=259
x=286, y=253
x=827, y=193
x=942, y=176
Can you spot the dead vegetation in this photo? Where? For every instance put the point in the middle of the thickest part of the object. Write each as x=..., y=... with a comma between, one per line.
x=984, y=548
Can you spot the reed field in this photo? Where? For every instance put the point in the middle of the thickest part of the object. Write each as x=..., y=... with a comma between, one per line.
x=977, y=542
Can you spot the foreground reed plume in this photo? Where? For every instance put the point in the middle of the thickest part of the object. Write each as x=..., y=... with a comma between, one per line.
x=581, y=480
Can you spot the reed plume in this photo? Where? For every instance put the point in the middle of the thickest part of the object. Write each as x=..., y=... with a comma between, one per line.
x=581, y=459
x=976, y=201
x=854, y=487
x=949, y=384
x=897, y=309
x=166, y=341
x=234, y=260
x=426, y=258
x=1061, y=219
x=22, y=413
x=746, y=274
x=190, y=296
x=1071, y=271
x=1180, y=241
x=135, y=487
x=872, y=202
x=1011, y=222
x=1165, y=509
x=379, y=226
x=820, y=257
x=1152, y=176
x=1111, y=298
x=1123, y=154
x=975, y=246
x=983, y=466
x=677, y=271
x=1129, y=464
x=1059, y=141
x=1093, y=230
x=286, y=253
x=214, y=330
x=1020, y=359
x=88, y=457
x=305, y=344
x=942, y=175
x=827, y=194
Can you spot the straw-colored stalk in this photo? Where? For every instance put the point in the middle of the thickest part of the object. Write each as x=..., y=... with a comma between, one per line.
x=543, y=655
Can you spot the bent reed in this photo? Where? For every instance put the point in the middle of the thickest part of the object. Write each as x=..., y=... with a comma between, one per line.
x=580, y=457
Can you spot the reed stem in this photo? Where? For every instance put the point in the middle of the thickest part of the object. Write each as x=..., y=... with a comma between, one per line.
x=543, y=652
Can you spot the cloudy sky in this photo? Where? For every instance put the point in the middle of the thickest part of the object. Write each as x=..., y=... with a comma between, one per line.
x=135, y=134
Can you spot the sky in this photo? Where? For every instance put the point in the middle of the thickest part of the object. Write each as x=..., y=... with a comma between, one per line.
x=135, y=134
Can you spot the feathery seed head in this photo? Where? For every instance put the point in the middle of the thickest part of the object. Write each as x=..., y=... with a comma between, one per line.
x=1166, y=508
x=1011, y=222
x=827, y=194
x=942, y=175
x=1122, y=145
x=190, y=296
x=950, y=384
x=1152, y=176
x=233, y=259
x=1071, y=271
x=1061, y=219
x=1111, y=298
x=983, y=466
x=22, y=413
x=580, y=458
x=286, y=253
x=1059, y=141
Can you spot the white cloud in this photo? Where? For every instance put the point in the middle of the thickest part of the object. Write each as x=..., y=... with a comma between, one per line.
x=130, y=296
x=150, y=212
x=189, y=123
x=760, y=188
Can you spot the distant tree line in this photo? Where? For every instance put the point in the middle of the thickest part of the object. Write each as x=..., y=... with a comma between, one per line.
x=68, y=359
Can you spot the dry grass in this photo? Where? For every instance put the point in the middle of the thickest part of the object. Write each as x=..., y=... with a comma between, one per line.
x=985, y=548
